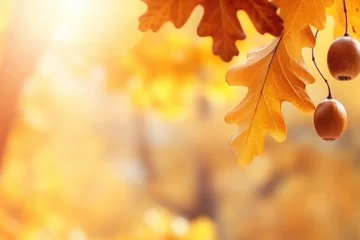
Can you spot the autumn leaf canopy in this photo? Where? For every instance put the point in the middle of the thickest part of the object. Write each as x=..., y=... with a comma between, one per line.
x=273, y=74
x=219, y=20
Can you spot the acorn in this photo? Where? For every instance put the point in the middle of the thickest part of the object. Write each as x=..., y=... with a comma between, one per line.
x=343, y=58
x=330, y=119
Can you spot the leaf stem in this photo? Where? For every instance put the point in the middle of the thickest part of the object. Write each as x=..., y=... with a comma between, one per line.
x=325, y=80
x=346, y=19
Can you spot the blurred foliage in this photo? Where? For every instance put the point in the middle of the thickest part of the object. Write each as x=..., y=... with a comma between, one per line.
x=164, y=76
x=90, y=157
x=5, y=12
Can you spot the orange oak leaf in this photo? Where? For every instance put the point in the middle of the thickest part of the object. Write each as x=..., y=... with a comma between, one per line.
x=161, y=11
x=298, y=14
x=274, y=74
x=277, y=77
x=219, y=21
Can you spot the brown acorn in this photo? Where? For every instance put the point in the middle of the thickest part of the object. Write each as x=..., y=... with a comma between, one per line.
x=330, y=119
x=343, y=58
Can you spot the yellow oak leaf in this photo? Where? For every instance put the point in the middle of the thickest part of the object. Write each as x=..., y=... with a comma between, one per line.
x=298, y=14
x=220, y=20
x=353, y=12
x=274, y=74
x=275, y=77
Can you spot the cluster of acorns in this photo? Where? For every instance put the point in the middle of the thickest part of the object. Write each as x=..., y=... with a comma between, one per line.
x=343, y=60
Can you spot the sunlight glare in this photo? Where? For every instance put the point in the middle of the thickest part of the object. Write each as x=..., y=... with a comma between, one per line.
x=75, y=6
x=180, y=226
x=64, y=34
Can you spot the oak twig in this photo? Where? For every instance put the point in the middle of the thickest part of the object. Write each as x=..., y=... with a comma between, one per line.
x=317, y=68
x=346, y=19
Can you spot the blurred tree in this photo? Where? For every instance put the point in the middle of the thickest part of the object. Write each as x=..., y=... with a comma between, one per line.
x=21, y=44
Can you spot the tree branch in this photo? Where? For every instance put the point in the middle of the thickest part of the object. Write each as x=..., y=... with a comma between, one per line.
x=26, y=38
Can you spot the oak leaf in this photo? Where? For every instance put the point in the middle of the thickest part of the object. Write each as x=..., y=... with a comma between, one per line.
x=298, y=14
x=274, y=74
x=219, y=21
